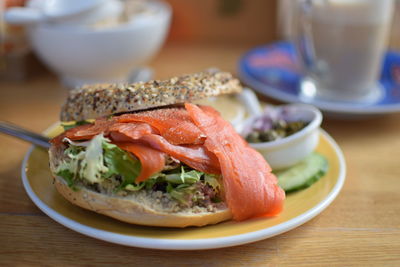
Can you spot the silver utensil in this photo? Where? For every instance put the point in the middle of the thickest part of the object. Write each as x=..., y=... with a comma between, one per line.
x=250, y=101
x=17, y=131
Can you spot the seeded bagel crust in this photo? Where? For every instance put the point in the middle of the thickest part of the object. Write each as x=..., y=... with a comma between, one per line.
x=93, y=101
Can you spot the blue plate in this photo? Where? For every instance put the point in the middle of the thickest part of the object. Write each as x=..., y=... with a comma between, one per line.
x=272, y=71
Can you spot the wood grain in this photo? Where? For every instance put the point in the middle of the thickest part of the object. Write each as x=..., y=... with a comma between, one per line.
x=360, y=228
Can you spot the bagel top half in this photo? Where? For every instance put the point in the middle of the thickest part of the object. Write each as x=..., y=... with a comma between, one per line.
x=93, y=101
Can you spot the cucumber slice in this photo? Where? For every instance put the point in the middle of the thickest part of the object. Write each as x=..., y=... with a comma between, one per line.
x=303, y=174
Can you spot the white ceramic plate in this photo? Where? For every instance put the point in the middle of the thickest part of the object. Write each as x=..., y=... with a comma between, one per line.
x=300, y=207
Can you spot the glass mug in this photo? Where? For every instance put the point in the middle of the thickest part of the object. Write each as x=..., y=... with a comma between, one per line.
x=341, y=44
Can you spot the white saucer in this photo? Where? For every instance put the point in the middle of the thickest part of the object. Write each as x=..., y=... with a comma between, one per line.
x=261, y=70
x=347, y=110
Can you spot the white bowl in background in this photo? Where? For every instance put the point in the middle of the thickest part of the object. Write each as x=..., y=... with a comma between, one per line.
x=82, y=55
x=285, y=152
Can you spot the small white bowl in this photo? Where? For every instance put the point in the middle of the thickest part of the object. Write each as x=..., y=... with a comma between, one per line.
x=285, y=152
x=83, y=55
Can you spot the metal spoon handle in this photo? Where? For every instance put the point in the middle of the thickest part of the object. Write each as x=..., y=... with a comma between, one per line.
x=16, y=131
x=250, y=101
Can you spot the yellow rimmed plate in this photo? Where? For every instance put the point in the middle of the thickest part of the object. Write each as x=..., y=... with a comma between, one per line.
x=299, y=208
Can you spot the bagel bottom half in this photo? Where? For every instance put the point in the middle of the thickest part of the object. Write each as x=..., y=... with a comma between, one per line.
x=133, y=208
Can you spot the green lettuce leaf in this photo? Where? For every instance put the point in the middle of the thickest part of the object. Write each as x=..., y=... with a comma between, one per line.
x=212, y=180
x=67, y=175
x=183, y=177
x=93, y=165
x=134, y=187
x=97, y=160
x=121, y=163
x=85, y=162
x=183, y=193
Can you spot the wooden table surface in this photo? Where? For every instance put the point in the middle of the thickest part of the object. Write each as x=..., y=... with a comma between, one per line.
x=360, y=228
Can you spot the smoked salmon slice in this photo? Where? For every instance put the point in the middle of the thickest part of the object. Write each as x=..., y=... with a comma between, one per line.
x=127, y=132
x=250, y=188
x=195, y=156
x=152, y=161
x=88, y=131
x=174, y=124
x=58, y=140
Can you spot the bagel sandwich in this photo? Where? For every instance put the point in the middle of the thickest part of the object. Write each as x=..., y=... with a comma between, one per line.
x=144, y=154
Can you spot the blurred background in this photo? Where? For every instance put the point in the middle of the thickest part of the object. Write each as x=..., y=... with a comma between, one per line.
x=219, y=23
x=241, y=24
